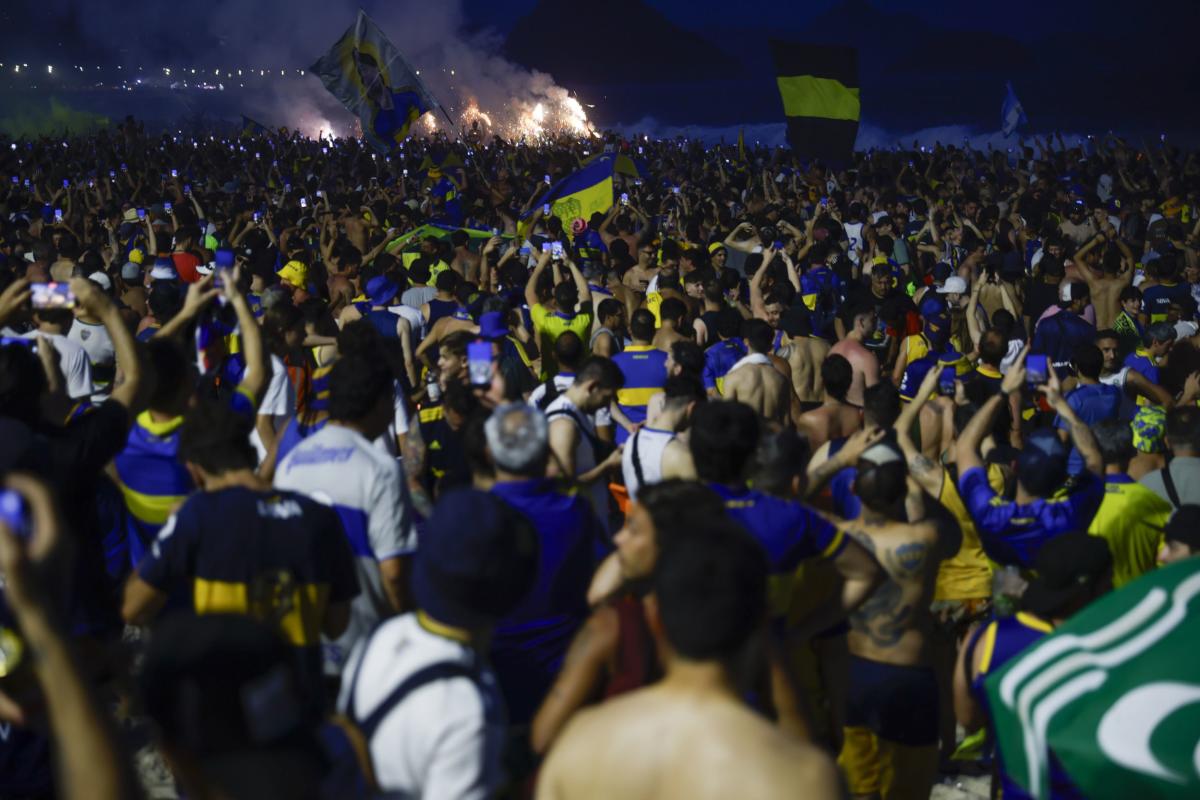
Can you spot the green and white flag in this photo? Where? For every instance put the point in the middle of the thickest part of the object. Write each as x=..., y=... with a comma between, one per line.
x=1114, y=693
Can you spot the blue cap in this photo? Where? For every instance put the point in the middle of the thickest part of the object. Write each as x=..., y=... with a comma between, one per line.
x=223, y=257
x=491, y=326
x=477, y=559
x=381, y=291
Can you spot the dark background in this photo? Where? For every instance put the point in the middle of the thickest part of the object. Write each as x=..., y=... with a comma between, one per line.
x=1081, y=67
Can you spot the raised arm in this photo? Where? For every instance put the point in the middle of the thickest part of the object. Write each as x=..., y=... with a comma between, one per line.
x=1081, y=434
x=131, y=391
x=531, y=296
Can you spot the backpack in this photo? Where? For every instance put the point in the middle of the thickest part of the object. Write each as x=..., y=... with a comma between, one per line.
x=550, y=395
x=347, y=738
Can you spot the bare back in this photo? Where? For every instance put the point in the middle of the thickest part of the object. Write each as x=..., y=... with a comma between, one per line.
x=761, y=387
x=805, y=357
x=862, y=362
x=662, y=742
x=893, y=625
x=833, y=420
x=666, y=336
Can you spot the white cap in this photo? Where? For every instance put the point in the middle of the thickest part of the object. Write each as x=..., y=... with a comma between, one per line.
x=953, y=285
x=206, y=269
x=101, y=279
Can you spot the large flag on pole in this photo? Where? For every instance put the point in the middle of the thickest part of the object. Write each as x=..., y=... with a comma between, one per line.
x=1012, y=113
x=819, y=88
x=373, y=81
x=1114, y=694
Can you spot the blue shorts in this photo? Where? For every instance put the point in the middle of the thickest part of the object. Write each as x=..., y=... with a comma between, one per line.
x=898, y=704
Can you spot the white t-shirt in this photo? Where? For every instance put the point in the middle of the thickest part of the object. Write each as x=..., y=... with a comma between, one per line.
x=854, y=236
x=73, y=361
x=95, y=340
x=278, y=401
x=366, y=486
x=415, y=320
x=444, y=740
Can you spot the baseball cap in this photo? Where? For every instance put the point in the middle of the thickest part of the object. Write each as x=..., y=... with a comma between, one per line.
x=1149, y=430
x=492, y=327
x=477, y=560
x=953, y=285
x=164, y=270
x=131, y=271
x=1067, y=567
x=102, y=280
x=381, y=291
x=1042, y=463
x=1184, y=526
x=223, y=257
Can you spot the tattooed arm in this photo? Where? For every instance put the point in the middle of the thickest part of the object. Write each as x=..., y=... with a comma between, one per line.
x=414, y=468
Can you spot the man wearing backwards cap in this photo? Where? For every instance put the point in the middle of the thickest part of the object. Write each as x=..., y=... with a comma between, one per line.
x=891, y=708
x=1059, y=334
x=1012, y=531
x=419, y=687
x=1072, y=571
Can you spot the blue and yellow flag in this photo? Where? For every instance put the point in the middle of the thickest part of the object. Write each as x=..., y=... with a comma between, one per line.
x=252, y=127
x=373, y=81
x=582, y=193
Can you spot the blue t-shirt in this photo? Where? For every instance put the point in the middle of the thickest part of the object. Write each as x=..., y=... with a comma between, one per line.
x=719, y=359
x=789, y=532
x=1012, y=533
x=1093, y=404
x=1061, y=335
x=530, y=642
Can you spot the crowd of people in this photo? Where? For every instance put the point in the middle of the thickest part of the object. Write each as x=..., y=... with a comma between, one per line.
x=347, y=474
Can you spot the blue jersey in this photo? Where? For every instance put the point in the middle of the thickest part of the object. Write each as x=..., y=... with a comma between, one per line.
x=1012, y=533
x=645, y=371
x=789, y=532
x=530, y=642
x=719, y=359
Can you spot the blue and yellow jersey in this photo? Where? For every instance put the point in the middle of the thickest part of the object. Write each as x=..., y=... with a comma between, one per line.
x=1156, y=300
x=1141, y=362
x=790, y=534
x=1013, y=533
x=151, y=478
x=277, y=556
x=645, y=371
x=719, y=359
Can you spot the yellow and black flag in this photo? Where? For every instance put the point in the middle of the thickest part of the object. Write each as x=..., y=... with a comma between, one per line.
x=819, y=88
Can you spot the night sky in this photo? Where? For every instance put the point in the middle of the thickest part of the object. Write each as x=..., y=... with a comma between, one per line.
x=1086, y=67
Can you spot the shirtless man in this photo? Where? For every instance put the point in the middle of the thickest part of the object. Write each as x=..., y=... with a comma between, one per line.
x=1104, y=285
x=834, y=418
x=702, y=741
x=464, y=262
x=756, y=382
x=672, y=315
x=892, y=710
x=865, y=365
x=805, y=355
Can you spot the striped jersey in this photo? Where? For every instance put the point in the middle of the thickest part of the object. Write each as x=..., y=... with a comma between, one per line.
x=645, y=371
